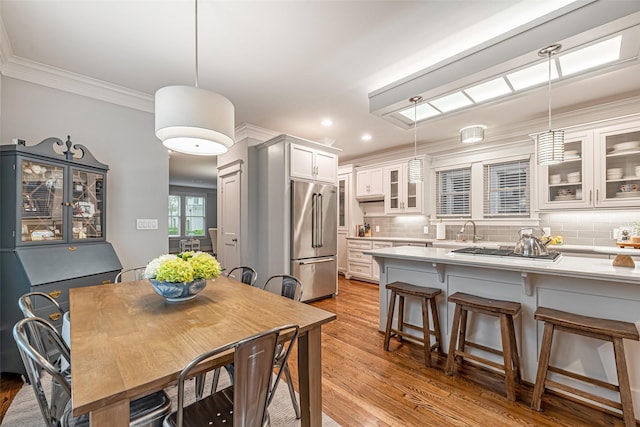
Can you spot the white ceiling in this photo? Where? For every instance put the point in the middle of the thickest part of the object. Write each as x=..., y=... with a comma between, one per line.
x=286, y=65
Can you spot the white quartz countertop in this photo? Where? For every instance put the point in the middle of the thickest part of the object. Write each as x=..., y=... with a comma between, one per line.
x=569, y=266
x=393, y=239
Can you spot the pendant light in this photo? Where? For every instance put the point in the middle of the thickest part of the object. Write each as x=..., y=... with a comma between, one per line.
x=416, y=173
x=550, y=144
x=192, y=120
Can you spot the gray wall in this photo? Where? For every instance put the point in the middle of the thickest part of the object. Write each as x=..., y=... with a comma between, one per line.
x=123, y=138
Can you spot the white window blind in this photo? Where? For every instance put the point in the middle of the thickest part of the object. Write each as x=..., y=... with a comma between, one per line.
x=454, y=193
x=506, y=189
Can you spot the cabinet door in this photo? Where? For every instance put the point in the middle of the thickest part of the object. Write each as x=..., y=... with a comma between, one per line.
x=342, y=251
x=87, y=204
x=302, y=162
x=42, y=202
x=393, y=197
x=326, y=167
x=343, y=202
x=569, y=184
x=369, y=184
x=618, y=182
x=412, y=193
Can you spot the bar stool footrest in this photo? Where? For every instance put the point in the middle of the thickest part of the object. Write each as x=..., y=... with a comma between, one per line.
x=584, y=394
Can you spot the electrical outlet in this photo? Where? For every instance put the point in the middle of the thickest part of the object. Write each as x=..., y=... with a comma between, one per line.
x=546, y=231
x=426, y=229
x=616, y=233
x=377, y=228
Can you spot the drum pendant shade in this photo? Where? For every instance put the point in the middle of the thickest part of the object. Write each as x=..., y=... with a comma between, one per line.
x=194, y=121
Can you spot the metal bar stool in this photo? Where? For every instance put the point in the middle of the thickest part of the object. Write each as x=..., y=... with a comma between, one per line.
x=505, y=311
x=592, y=327
x=427, y=296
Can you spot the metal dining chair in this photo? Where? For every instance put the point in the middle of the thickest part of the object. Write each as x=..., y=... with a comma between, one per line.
x=245, y=402
x=246, y=275
x=289, y=287
x=147, y=411
x=285, y=285
x=130, y=274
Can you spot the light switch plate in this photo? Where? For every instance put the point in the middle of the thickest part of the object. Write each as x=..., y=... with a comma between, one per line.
x=377, y=228
x=426, y=229
x=146, y=224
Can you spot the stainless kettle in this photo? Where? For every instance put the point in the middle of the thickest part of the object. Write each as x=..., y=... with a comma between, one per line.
x=530, y=245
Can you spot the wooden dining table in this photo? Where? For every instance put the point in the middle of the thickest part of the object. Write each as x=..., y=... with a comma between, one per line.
x=127, y=341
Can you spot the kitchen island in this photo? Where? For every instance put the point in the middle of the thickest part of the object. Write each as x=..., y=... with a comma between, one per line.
x=588, y=286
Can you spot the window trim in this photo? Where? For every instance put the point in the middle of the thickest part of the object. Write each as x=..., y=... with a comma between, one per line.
x=183, y=216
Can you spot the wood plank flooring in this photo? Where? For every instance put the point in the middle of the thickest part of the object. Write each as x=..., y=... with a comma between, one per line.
x=363, y=385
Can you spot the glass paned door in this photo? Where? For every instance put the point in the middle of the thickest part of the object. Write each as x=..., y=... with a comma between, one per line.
x=394, y=188
x=42, y=191
x=87, y=204
x=342, y=217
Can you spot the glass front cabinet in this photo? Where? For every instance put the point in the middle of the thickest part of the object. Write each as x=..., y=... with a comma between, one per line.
x=59, y=191
x=601, y=169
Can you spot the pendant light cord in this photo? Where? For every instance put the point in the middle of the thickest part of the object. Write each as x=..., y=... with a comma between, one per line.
x=415, y=101
x=196, y=26
x=549, y=90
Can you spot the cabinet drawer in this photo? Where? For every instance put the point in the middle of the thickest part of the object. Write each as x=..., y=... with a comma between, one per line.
x=359, y=244
x=357, y=255
x=382, y=244
x=358, y=269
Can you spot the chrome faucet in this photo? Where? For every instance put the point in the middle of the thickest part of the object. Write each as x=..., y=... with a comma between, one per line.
x=475, y=237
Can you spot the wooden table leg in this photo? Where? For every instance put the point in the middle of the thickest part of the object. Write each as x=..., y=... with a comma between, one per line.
x=116, y=414
x=310, y=374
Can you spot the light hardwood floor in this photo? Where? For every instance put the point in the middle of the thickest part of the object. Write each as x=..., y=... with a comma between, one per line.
x=363, y=385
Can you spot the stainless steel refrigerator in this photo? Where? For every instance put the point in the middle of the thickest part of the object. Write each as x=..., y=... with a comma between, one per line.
x=314, y=238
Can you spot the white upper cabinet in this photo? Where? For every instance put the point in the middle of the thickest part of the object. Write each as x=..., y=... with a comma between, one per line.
x=601, y=169
x=400, y=195
x=310, y=163
x=569, y=185
x=369, y=184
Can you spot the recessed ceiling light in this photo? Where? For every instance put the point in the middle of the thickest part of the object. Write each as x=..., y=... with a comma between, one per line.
x=366, y=137
x=423, y=111
x=488, y=90
x=591, y=56
x=326, y=122
x=532, y=76
x=451, y=102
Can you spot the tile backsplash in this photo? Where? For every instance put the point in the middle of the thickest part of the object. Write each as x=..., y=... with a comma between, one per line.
x=577, y=228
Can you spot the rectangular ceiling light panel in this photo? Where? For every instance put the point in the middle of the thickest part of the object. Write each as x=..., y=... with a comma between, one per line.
x=423, y=111
x=591, y=56
x=451, y=102
x=532, y=76
x=488, y=90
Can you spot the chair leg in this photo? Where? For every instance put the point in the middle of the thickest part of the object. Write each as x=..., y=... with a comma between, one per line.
x=294, y=401
x=425, y=333
x=507, y=353
x=392, y=306
x=436, y=324
x=214, y=382
x=199, y=388
x=514, y=348
x=400, y=317
x=623, y=381
x=455, y=325
x=543, y=366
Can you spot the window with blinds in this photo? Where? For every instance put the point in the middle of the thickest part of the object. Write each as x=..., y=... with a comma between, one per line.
x=453, y=193
x=506, y=189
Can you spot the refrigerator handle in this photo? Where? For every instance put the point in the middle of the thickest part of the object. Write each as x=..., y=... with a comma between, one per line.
x=313, y=220
x=315, y=261
x=320, y=221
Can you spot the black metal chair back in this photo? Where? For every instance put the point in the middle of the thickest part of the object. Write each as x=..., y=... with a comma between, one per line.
x=246, y=275
x=285, y=285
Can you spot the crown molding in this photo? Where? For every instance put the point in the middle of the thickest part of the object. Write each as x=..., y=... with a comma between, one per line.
x=56, y=78
x=5, y=47
x=254, y=134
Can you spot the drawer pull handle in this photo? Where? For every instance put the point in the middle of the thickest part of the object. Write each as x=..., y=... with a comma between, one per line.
x=72, y=248
x=55, y=294
x=54, y=316
x=106, y=282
